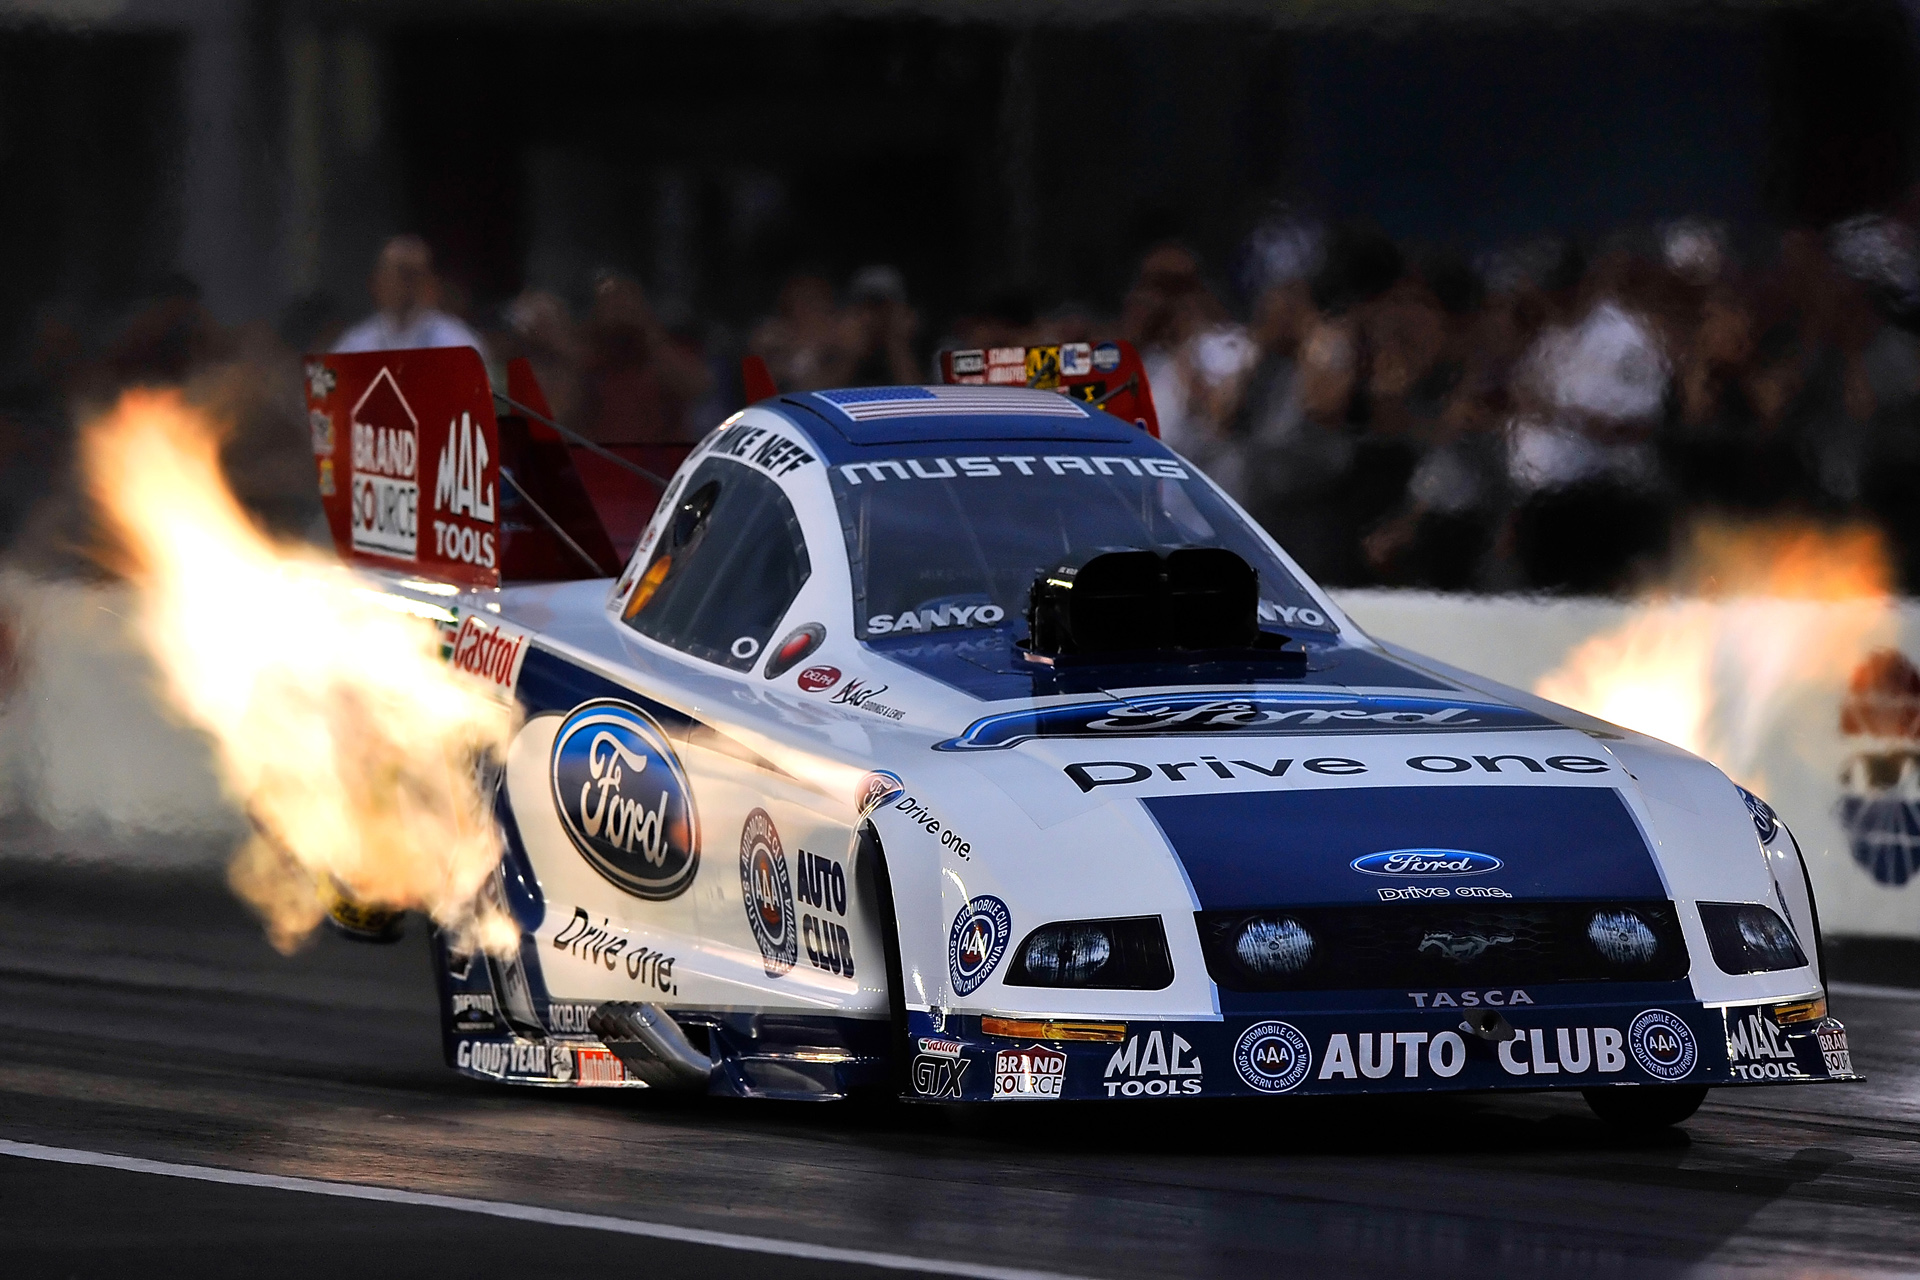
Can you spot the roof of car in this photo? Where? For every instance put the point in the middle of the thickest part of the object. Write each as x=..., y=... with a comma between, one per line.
x=867, y=416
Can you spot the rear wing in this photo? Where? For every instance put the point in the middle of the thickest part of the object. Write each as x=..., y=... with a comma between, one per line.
x=418, y=474
x=1105, y=375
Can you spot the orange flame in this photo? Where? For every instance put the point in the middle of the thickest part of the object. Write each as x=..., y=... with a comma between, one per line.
x=350, y=744
x=1758, y=624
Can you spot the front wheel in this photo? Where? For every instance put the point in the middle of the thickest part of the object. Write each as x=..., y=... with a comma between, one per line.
x=1645, y=1107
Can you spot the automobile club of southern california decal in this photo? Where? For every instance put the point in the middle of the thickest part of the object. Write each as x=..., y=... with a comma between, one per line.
x=624, y=800
x=767, y=892
x=976, y=942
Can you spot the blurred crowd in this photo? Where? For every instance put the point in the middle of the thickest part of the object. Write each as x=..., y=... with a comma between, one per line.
x=1542, y=418
x=1549, y=416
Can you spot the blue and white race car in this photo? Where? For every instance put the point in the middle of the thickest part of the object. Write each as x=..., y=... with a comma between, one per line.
x=964, y=743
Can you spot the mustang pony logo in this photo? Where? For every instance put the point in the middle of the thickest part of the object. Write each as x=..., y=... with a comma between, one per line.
x=1462, y=946
x=623, y=799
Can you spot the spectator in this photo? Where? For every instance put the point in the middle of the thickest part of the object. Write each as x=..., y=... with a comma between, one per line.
x=639, y=380
x=543, y=330
x=1196, y=358
x=882, y=329
x=407, y=295
x=806, y=342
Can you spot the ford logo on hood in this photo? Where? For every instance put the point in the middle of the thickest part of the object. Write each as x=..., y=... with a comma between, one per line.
x=1426, y=862
x=624, y=799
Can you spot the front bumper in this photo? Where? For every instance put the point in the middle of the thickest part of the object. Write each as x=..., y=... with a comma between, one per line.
x=1242, y=1055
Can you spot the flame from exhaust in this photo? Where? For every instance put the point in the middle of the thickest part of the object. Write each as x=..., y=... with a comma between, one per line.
x=1758, y=624
x=352, y=747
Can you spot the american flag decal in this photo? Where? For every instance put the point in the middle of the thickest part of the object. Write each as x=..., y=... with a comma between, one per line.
x=865, y=403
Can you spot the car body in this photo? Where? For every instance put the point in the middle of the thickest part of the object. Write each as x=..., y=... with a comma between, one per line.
x=796, y=810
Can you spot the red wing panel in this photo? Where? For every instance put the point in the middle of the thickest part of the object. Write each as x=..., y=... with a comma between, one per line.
x=624, y=500
x=408, y=455
x=1106, y=375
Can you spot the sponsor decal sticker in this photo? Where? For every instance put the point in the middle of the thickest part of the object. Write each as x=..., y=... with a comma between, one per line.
x=569, y=1017
x=817, y=679
x=1076, y=359
x=386, y=471
x=624, y=800
x=1833, y=1046
x=1445, y=1054
x=597, y=1067
x=1242, y=714
x=922, y=817
x=770, y=451
x=526, y=1058
x=982, y=466
x=1152, y=1067
x=767, y=893
x=320, y=380
x=1106, y=357
x=1757, y=1049
x=1272, y=1057
x=876, y=789
x=1413, y=892
x=974, y=361
x=1663, y=1045
x=938, y=1075
x=1468, y=999
x=473, y=1011
x=858, y=693
x=320, y=427
x=822, y=886
x=489, y=652
x=1549, y=1051
x=1035, y=1073
x=606, y=946
x=1426, y=862
x=1088, y=774
x=327, y=488
x=940, y=1048
x=460, y=489
x=976, y=942
x=800, y=642
x=952, y=616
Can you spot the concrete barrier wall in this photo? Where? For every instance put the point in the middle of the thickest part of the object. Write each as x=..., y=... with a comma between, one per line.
x=1852, y=799
x=88, y=749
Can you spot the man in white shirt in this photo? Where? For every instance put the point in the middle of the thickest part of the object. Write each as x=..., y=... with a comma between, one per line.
x=405, y=290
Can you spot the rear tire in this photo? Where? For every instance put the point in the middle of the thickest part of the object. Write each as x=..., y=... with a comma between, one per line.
x=1646, y=1107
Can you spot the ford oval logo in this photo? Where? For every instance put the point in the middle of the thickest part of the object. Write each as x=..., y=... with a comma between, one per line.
x=1427, y=862
x=624, y=799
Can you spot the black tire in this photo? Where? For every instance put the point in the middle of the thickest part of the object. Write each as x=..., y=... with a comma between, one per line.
x=1645, y=1107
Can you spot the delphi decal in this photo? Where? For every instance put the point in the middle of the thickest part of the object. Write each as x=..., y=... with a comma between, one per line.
x=1243, y=714
x=624, y=799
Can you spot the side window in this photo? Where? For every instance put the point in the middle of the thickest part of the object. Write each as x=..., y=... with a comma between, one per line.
x=730, y=561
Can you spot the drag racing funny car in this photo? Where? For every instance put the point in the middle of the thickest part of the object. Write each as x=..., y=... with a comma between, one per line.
x=963, y=743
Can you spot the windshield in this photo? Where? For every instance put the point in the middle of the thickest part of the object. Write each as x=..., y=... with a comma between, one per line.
x=950, y=544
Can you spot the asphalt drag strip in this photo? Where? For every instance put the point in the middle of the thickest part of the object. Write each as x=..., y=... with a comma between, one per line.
x=223, y=1222
x=143, y=1018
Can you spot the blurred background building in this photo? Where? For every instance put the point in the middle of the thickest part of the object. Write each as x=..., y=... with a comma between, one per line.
x=1432, y=288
